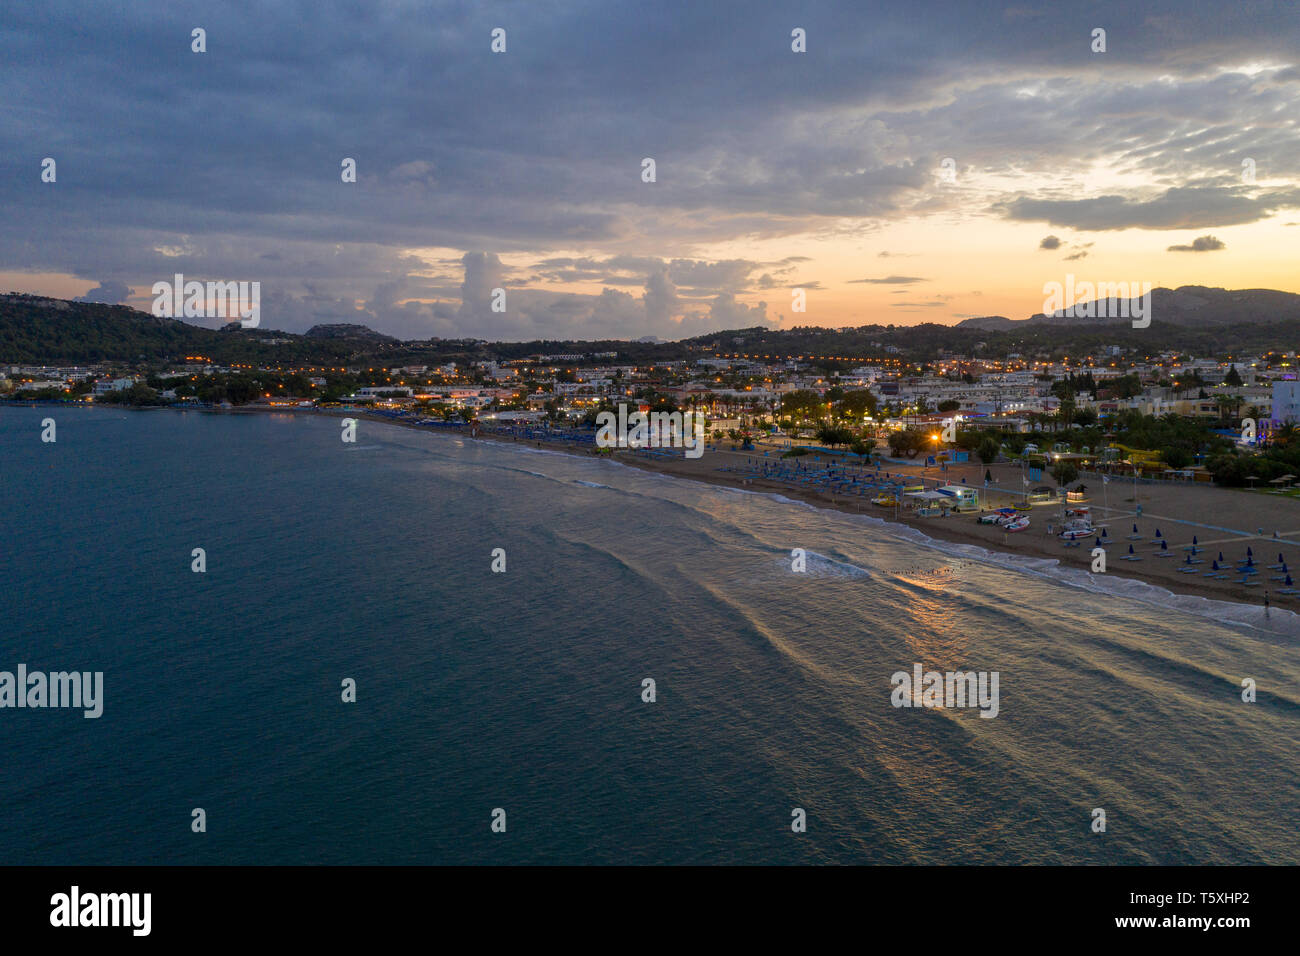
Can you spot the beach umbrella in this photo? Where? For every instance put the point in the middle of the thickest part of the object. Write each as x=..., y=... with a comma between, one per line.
x=1096, y=543
x=1193, y=541
x=1220, y=555
x=1135, y=529
x=1130, y=549
x=1249, y=552
x=1158, y=534
x=1214, y=565
x=1288, y=580
x=1189, y=560
x=1164, y=545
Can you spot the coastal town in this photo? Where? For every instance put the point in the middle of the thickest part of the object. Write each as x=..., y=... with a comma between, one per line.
x=1239, y=403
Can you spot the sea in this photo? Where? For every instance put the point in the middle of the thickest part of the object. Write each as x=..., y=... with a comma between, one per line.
x=656, y=671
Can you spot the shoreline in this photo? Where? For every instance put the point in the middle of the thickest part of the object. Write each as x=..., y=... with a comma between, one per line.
x=959, y=529
x=963, y=529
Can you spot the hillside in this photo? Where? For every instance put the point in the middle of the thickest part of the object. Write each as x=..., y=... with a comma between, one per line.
x=37, y=330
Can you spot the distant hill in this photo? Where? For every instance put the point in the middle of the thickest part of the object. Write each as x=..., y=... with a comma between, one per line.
x=40, y=330
x=1189, y=306
x=346, y=330
x=989, y=323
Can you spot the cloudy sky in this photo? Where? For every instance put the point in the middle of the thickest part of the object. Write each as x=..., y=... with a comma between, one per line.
x=921, y=161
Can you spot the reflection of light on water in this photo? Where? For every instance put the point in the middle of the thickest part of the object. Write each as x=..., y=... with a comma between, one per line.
x=934, y=633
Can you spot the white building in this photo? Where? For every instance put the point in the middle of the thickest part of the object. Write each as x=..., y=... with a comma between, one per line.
x=112, y=385
x=1286, y=401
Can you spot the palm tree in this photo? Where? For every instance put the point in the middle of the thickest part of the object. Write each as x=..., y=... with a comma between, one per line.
x=1224, y=404
x=1067, y=411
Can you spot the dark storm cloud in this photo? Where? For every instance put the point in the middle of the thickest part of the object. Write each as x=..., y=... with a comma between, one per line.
x=226, y=164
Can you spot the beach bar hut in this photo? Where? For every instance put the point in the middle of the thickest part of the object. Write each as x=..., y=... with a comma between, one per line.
x=966, y=498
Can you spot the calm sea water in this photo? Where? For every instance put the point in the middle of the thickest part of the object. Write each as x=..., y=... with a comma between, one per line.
x=522, y=690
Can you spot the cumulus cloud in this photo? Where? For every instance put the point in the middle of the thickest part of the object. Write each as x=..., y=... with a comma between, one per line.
x=1201, y=244
x=1050, y=242
x=109, y=292
x=661, y=302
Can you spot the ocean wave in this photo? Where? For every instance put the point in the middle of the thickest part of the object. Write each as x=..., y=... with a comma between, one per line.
x=818, y=565
x=1276, y=621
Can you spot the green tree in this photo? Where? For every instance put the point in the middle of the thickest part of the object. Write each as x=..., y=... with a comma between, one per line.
x=907, y=441
x=858, y=403
x=802, y=403
x=989, y=449
x=1064, y=472
x=834, y=436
